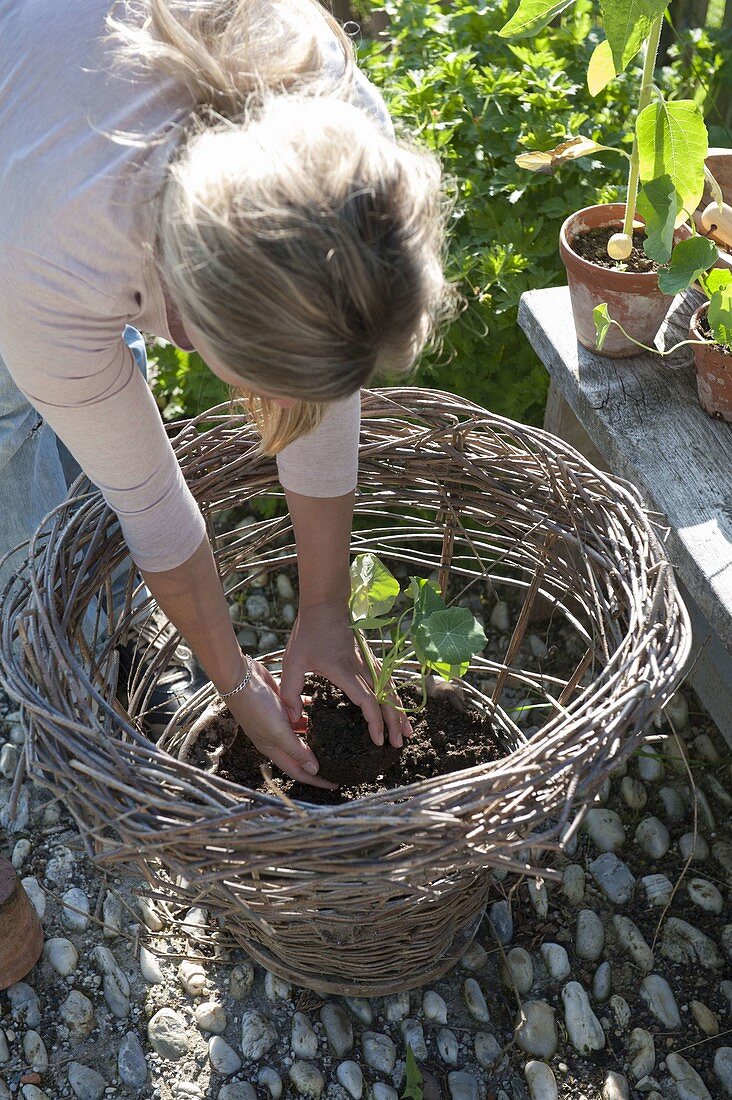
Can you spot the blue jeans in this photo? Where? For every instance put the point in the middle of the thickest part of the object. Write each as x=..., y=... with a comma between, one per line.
x=36, y=470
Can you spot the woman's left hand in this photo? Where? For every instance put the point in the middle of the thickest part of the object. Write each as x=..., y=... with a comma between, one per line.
x=323, y=642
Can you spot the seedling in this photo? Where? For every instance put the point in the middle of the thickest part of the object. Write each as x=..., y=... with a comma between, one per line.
x=413, y=1085
x=442, y=639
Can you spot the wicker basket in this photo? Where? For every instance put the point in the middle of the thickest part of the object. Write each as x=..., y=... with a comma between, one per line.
x=380, y=894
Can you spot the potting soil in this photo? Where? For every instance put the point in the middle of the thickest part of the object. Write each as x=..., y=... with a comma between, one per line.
x=592, y=247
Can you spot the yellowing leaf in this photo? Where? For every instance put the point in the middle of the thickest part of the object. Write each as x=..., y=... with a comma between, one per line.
x=571, y=149
x=601, y=69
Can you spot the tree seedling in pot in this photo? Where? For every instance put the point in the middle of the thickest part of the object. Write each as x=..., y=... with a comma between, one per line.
x=670, y=141
x=442, y=639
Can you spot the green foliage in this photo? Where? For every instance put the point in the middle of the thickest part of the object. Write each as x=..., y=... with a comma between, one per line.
x=182, y=383
x=453, y=83
x=413, y=1084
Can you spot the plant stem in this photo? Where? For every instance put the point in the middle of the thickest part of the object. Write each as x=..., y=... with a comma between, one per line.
x=655, y=351
x=643, y=100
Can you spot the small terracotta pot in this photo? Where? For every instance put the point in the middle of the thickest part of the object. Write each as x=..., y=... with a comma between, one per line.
x=21, y=932
x=713, y=372
x=633, y=299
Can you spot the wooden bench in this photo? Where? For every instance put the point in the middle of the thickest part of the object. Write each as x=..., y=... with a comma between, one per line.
x=640, y=419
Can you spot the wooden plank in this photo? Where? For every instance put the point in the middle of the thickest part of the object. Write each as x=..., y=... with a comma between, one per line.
x=644, y=417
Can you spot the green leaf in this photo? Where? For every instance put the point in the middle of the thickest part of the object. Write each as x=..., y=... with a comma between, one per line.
x=601, y=69
x=657, y=204
x=450, y=672
x=689, y=259
x=413, y=1084
x=627, y=25
x=720, y=314
x=716, y=279
x=450, y=637
x=532, y=16
x=373, y=588
x=672, y=141
x=601, y=317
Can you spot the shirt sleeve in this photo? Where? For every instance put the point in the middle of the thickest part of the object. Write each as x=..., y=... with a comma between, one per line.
x=324, y=463
x=76, y=370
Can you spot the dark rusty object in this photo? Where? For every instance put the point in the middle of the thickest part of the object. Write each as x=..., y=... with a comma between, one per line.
x=21, y=932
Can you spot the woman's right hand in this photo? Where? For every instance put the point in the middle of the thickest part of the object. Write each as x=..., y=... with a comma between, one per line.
x=262, y=715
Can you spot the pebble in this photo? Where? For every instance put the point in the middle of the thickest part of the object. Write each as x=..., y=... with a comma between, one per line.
x=656, y=992
x=556, y=960
x=677, y=711
x=683, y=943
x=536, y=1029
x=351, y=1078
x=658, y=889
x=257, y=607
x=9, y=757
x=573, y=884
x=705, y=895
x=276, y=988
x=210, y=1016
x=613, y=878
x=86, y=1083
x=270, y=1080
x=113, y=916
x=605, y=829
x=650, y=765
x=131, y=1063
x=304, y=1041
x=149, y=914
x=615, y=1087
x=434, y=1007
x=241, y=981
x=632, y=941
x=223, y=1058
x=725, y=988
x=77, y=1013
x=413, y=1036
x=380, y=1091
x=462, y=1086
x=541, y=1081
x=115, y=985
x=379, y=1052
x=502, y=921
x=192, y=977
x=673, y=804
x=538, y=896
x=37, y=897
x=705, y=1018
x=487, y=1049
x=167, y=1034
x=633, y=793
x=589, y=935
x=475, y=957
x=338, y=1029
x=267, y=641
x=653, y=837
x=150, y=967
x=397, y=1007
x=237, y=1090
x=500, y=618
x=258, y=1035
x=475, y=1001
x=620, y=1010
x=689, y=1084
x=35, y=1051
x=288, y=614
x=61, y=955
x=723, y=1068
x=642, y=1051
x=361, y=1009
x=448, y=1047
x=694, y=846
x=284, y=587
x=518, y=970
x=537, y=646
x=72, y=900
x=583, y=1027
x=307, y=1079
x=602, y=982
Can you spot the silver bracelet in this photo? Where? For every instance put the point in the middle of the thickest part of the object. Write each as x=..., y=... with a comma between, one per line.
x=243, y=684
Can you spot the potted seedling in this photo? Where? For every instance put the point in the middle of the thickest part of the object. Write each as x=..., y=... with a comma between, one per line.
x=614, y=252
x=710, y=330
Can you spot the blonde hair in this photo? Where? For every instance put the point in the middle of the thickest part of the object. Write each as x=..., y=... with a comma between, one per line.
x=303, y=242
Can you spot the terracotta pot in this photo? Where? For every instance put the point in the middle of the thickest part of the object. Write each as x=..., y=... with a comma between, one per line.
x=713, y=372
x=21, y=932
x=633, y=299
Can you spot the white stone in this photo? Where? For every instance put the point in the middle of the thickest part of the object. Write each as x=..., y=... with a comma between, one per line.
x=705, y=895
x=434, y=1007
x=9, y=757
x=35, y=1051
x=683, y=943
x=615, y=1087
x=351, y=1078
x=573, y=884
x=276, y=988
x=689, y=1084
x=705, y=1018
x=258, y=1035
x=380, y=1091
x=131, y=1062
x=620, y=1010
x=538, y=896
x=86, y=1083
x=211, y=1016
x=632, y=941
x=462, y=1086
x=499, y=617
x=556, y=961
x=192, y=977
x=677, y=711
x=605, y=830
x=537, y=646
x=633, y=793
x=241, y=980
x=613, y=878
x=397, y=1007
x=21, y=851
x=723, y=1069
x=447, y=1046
x=673, y=804
x=257, y=607
x=540, y=1080
x=589, y=936
x=304, y=1041
x=150, y=967
x=237, y=1090
x=307, y=1078
x=642, y=1053
x=75, y=911
x=77, y=1013
x=658, y=889
x=650, y=765
x=113, y=915
x=656, y=992
x=167, y=1034
x=583, y=1027
x=284, y=586
x=379, y=1052
x=61, y=955
x=4, y=1049
x=361, y=1009
x=474, y=958
x=35, y=893
x=149, y=914
x=338, y=1029
x=487, y=1049
x=602, y=982
x=518, y=971
x=222, y=1057
x=653, y=837
x=270, y=1080
x=475, y=1001
x=536, y=1029
x=500, y=917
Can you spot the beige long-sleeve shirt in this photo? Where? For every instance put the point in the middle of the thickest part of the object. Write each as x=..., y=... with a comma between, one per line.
x=75, y=217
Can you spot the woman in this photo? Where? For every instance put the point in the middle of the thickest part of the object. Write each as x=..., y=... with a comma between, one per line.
x=220, y=174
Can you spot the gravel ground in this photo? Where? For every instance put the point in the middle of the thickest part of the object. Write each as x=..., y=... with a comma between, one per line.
x=609, y=984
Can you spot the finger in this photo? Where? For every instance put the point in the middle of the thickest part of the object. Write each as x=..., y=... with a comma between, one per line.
x=396, y=720
x=292, y=768
x=290, y=688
